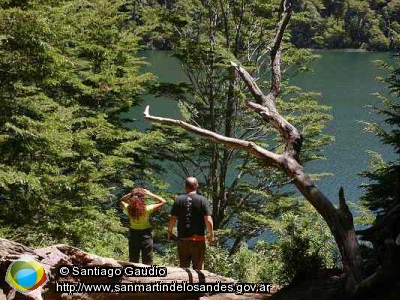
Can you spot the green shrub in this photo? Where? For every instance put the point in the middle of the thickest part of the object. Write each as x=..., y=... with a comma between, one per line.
x=217, y=260
x=304, y=245
x=247, y=264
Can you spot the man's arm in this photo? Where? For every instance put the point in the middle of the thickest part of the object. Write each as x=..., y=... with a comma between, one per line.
x=210, y=228
x=171, y=224
x=208, y=221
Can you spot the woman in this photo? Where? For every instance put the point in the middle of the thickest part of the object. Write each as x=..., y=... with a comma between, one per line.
x=140, y=240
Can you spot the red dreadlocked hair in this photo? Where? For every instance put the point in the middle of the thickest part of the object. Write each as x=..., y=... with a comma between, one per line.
x=137, y=205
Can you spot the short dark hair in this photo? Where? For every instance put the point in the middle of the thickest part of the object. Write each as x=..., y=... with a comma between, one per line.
x=191, y=183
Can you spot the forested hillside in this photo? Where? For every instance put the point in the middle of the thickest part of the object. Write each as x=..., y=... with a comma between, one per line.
x=330, y=24
x=320, y=24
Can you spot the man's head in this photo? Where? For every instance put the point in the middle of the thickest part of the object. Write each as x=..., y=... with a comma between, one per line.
x=191, y=184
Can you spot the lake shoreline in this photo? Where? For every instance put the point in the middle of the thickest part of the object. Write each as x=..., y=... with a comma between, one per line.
x=359, y=50
x=346, y=82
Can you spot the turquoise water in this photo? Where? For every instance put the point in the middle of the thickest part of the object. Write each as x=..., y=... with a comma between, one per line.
x=346, y=81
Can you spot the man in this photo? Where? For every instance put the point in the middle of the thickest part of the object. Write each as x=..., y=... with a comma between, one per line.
x=193, y=215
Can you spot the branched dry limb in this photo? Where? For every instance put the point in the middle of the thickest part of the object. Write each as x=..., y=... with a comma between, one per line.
x=340, y=221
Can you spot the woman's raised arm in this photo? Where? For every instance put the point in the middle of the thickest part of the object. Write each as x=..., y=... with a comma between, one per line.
x=161, y=201
x=124, y=200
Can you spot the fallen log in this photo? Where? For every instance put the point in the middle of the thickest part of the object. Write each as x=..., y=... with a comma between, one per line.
x=59, y=255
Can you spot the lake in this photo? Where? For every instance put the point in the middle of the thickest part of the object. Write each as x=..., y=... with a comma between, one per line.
x=346, y=81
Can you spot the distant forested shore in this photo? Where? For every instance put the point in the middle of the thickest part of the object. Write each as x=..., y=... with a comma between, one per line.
x=372, y=25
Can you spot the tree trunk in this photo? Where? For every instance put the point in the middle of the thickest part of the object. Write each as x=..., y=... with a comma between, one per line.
x=340, y=221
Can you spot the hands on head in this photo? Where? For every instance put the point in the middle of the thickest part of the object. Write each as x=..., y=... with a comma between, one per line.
x=147, y=192
x=125, y=199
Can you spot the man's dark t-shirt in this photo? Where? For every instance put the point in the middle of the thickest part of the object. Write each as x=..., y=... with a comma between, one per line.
x=190, y=210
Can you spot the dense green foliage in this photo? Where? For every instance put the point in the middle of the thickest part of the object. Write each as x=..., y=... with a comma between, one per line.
x=321, y=24
x=303, y=247
x=380, y=192
x=372, y=24
x=67, y=71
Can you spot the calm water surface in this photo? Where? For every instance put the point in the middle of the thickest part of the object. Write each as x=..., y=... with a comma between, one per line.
x=345, y=80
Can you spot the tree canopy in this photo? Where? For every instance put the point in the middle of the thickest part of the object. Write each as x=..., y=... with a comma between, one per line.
x=381, y=195
x=68, y=70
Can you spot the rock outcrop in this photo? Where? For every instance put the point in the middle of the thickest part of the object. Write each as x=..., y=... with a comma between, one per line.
x=58, y=255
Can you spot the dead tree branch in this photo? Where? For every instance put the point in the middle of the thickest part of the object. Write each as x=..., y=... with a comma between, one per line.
x=340, y=220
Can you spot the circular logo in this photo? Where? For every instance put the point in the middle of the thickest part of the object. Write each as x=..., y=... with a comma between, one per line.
x=26, y=274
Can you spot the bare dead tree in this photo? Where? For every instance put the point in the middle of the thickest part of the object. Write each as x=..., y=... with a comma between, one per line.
x=339, y=220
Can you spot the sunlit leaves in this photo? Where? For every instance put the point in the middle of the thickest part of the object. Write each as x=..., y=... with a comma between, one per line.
x=380, y=192
x=67, y=71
